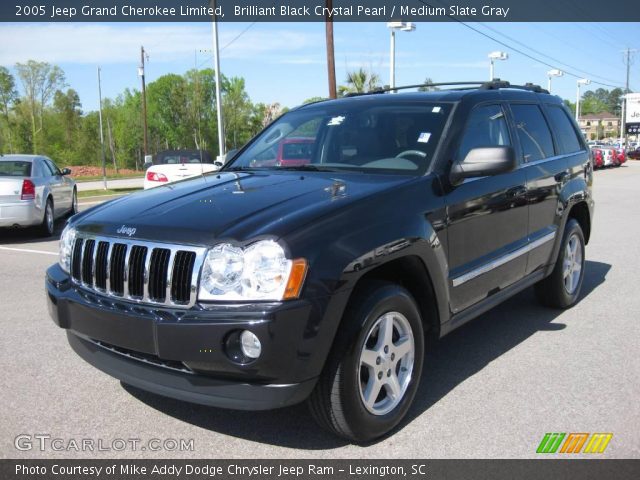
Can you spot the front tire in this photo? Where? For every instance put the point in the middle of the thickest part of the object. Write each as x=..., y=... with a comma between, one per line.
x=374, y=368
x=561, y=289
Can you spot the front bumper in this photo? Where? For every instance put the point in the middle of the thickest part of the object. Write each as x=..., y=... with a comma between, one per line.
x=184, y=354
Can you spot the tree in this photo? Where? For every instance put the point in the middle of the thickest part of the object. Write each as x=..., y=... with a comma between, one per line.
x=428, y=88
x=359, y=81
x=68, y=106
x=314, y=100
x=8, y=97
x=237, y=111
x=39, y=81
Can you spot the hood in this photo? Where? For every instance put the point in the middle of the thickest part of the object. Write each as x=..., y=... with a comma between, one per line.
x=239, y=206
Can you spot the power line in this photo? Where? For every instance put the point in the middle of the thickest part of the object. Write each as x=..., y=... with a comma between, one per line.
x=504, y=44
x=210, y=57
x=545, y=55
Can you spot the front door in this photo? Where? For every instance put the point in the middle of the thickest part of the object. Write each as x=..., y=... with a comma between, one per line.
x=487, y=218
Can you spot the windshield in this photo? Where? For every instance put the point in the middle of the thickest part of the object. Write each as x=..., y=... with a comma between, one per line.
x=397, y=137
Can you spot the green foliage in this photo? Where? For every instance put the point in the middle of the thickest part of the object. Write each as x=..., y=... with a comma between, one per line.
x=181, y=113
x=359, y=81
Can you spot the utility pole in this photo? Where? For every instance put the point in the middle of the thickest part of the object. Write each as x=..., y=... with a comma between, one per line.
x=331, y=63
x=216, y=52
x=144, y=102
x=628, y=61
x=104, y=161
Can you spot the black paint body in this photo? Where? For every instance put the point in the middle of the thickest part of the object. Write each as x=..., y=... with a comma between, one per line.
x=345, y=234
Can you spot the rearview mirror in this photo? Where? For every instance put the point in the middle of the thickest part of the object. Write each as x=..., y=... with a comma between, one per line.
x=482, y=162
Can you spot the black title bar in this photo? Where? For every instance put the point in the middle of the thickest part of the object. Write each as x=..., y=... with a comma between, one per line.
x=317, y=11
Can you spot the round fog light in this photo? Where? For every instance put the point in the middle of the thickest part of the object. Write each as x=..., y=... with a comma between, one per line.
x=250, y=344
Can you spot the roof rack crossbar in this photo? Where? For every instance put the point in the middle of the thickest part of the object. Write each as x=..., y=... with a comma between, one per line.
x=494, y=84
x=406, y=87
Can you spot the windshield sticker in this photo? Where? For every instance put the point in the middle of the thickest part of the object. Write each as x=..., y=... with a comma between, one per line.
x=436, y=109
x=336, y=120
x=424, y=137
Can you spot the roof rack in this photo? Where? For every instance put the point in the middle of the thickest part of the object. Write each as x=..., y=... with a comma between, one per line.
x=494, y=84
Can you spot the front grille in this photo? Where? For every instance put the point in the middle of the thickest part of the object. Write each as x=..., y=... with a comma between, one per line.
x=138, y=271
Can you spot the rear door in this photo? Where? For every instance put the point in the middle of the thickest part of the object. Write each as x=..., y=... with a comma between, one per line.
x=545, y=167
x=53, y=178
x=487, y=217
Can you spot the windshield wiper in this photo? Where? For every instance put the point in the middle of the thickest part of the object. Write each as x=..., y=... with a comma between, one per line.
x=307, y=167
x=239, y=168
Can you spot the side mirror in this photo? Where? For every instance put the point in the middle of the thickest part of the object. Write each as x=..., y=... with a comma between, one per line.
x=482, y=162
x=218, y=163
x=146, y=165
x=65, y=171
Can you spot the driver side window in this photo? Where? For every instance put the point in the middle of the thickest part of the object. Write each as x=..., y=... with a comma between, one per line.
x=486, y=127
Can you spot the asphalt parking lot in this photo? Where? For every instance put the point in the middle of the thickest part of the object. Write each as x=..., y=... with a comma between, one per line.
x=491, y=389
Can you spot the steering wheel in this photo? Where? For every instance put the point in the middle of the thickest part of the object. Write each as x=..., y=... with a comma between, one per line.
x=419, y=153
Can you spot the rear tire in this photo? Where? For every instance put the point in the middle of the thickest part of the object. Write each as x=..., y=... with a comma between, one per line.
x=374, y=368
x=74, y=204
x=48, y=224
x=561, y=289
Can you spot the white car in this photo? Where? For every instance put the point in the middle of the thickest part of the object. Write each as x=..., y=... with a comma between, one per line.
x=173, y=165
x=34, y=192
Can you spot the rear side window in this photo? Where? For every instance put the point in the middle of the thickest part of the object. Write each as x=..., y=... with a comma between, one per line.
x=50, y=169
x=486, y=127
x=533, y=132
x=14, y=168
x=566, y=135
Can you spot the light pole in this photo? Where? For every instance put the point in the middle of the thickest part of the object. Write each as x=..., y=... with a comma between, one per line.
x=104, y=161
x=553, y=73
x=393, y=26
x=144, y=104
x=216, y=52
x=493, y=56
x=582, y=81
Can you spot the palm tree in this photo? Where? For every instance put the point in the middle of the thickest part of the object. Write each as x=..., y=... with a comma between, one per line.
x=359, y=81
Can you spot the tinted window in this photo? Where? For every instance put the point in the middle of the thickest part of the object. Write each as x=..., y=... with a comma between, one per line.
x=566, y=135
x=14, y=168
x=47, y=169
x=376, y=137
x=175, y=158
x=486, y=127
x=533, y=132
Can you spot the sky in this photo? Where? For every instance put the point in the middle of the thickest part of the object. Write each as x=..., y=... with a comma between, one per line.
x=286, y=62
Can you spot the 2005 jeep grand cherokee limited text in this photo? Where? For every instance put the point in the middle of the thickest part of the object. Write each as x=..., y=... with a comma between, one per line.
x=258, y=287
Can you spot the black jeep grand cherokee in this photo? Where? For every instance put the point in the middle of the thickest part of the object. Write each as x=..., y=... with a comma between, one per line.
x=263, y=285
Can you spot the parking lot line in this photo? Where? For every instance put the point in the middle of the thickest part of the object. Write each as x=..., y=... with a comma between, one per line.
x=28, y=250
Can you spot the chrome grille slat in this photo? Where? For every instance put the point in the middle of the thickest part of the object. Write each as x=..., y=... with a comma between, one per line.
x=137, y=271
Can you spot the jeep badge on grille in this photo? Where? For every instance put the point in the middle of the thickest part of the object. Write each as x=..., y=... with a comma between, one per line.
x=124, y=230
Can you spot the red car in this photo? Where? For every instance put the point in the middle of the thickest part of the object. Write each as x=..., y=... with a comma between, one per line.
x=295, y=151
x=621, y=156
x=291, y=152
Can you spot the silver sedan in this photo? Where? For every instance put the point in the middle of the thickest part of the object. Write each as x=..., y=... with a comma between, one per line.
x=34, y=192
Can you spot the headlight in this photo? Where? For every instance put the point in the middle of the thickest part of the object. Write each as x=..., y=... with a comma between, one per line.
x=66, y=247
x=260, y=272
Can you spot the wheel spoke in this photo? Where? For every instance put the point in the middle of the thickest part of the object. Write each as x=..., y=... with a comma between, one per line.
x=393, y=386
x=568, y=282
x=369, y=357
x=372, y=390
x=402, y=348
x=385, y=335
